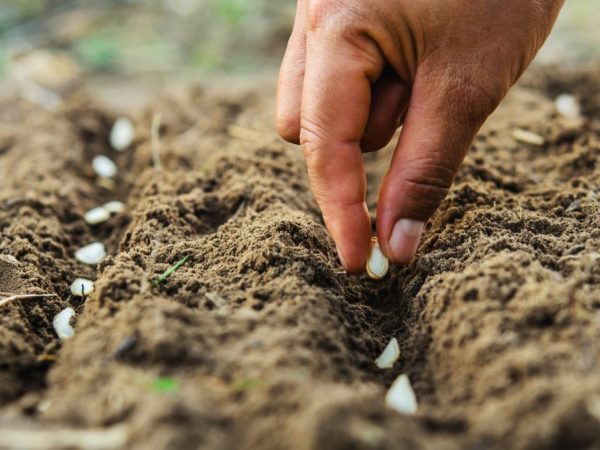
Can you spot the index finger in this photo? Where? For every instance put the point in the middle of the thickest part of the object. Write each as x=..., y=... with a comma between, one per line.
x=335, y=109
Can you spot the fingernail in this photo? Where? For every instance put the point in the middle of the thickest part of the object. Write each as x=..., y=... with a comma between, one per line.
x=341, y=257
x=405, y=239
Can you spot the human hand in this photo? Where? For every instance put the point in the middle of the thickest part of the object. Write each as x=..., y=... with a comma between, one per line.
x=355, y=70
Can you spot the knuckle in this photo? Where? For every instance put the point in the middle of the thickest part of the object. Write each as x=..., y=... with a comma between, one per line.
x=469, y=95
x=344, y=15
x=312, y=135
x=318, y=11
x=424, y=184
x=310, y=142
x=430, y=172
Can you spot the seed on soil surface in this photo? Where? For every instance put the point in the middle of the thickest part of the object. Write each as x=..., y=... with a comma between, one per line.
x=528, y=137
x=389, y=356
x=377, y=264
x=61, y=324
x=97, y=215
x=568, y=106
x=401, y=397
x=82, y=287
x=115, y=207
x=122, y=134
x=91, y=254
x=104, y=166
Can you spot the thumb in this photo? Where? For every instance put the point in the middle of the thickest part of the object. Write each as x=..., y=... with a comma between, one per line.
x=442, y=119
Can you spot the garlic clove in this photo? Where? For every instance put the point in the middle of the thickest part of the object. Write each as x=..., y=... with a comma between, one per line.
x=115, y=207
x=104, y=166
x=82, y=287
x=401, y=397
x=91, y=254
x=97, y=215
x=122, y=134
x=61, y=324
x=389, y=356
x=377, y=264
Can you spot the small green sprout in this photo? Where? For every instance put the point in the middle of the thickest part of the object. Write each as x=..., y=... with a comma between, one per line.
x=165, y=385
x=169, y=271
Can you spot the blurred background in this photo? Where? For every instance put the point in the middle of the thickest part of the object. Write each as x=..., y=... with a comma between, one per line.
x=46, y=44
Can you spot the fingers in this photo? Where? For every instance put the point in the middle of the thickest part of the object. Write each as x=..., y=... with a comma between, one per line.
x=291, y=78
x=389, y=101
x=442, y=120
x=335, y=109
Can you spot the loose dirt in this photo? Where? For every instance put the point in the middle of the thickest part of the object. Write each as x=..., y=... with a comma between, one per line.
x=260, y=340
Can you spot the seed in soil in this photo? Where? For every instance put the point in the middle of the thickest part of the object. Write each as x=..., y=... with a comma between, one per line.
x=97, y=215
x=115, y=207
x=568, y=106
x=389, y=356
x=104, y=166
x=82, y=287
x=401, y=397
x=91, y=254
x=122, y=134
x=61, y=324
x=377, y=264
x=528, y=137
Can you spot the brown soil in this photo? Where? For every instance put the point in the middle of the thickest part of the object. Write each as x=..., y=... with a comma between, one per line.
x=266, y=342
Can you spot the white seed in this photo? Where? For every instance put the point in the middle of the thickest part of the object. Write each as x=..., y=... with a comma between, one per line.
x=61, y=324
x=104, y=166
x=91, y=254
x=122, y=134
x=568, y=106
x=115, y=207
x=82, y=287
x=97, y=215
x=401, y=397
x=389, y=356
x=528, y=137
x=377, y=264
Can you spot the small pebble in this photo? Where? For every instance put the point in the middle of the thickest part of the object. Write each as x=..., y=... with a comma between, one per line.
x=91, y=254
x=568, y=106
x=115, y=207
x=10, y=259
x=97, y=215
x=122, y=134
x=528, y=137
x=104, y=166
x=82, y=287
x=377, y=264
x=401, y=397
x=389, y=356
x=61, y=324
